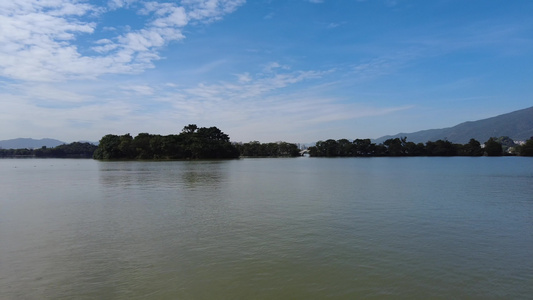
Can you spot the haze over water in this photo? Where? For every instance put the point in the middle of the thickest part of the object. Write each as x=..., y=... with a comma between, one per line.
x=303, y=228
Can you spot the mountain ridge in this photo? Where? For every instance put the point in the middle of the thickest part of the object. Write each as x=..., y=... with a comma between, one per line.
x=518, y=125
x=29, y=143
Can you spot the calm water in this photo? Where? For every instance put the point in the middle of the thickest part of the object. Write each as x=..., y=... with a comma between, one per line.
x=303, y=228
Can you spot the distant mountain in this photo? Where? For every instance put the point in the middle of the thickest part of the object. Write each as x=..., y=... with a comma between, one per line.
x=22, y=143
x=517, y=125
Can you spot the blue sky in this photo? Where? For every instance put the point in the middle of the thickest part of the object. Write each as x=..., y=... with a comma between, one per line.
x=296, y=70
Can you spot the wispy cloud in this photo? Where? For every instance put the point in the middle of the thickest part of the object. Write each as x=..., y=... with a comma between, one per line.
x=38, y=41
x=272, y=66
x=267, y=102
x=88, y=68
x=269, y=16
x=139, y=89
x=270, y=101
x=243, y=78
x=333, y=25
x=208, y=67
x=385, y=64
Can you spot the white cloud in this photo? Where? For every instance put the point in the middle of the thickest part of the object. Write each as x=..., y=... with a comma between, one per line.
x=269, y=16
x=139, y=89
x=54, y=94
x=385, y=64
x=210, y=10
x=267, y=103
x=115, y=4
x=39, y=40
x=243, y=78
x=333, y=25
x=208, y=67
x=270, y=67
x=176, y=16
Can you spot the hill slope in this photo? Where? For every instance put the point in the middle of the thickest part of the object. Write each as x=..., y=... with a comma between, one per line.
x=517, y=125
x=22, y=143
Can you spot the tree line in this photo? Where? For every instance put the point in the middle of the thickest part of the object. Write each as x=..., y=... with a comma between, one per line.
x=257, y=149
x=192, y=143
x=72, y=150
x=211, y=143
x=401, y=147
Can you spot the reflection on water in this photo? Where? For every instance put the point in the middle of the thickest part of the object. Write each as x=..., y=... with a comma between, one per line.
x=267, y=228
x=162, y=174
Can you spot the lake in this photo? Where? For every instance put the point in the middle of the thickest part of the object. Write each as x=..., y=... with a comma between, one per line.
x=287, y=228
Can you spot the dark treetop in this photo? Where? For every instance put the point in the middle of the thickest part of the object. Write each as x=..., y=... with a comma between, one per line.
x=192, y=142
x=401, y=147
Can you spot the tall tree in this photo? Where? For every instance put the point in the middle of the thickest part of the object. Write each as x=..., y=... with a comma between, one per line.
x=493, y=148
x=527, y=148
x=473, y=148
x=108, y=148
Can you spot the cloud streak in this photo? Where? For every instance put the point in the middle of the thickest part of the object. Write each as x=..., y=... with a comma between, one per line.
x=74, y=69
x=268, y=103
x=38, y=40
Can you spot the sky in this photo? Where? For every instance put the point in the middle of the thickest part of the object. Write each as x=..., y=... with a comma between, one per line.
x=265, y=70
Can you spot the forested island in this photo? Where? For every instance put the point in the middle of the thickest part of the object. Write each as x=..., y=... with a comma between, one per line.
x=211, y=143
x=401, y=147
x=192, y=143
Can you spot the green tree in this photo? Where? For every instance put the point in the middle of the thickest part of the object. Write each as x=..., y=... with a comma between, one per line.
x=313, y=151
x=345, y=148
x=189, y=129
x=108, y=148
x=74, y=150
x=363, y=147
x=493, y=148
x=126, y=146
x=173, y=146
x=413, y=149
x=395, y=147
x=441, y=148
x=141, y=144
x=527, y=148
x=212, y=134
x=192, y=142
x=473, y=148
x=328, y=148
x=157, y=146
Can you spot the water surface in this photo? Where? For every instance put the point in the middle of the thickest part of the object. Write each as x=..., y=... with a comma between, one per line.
x=303, y=228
